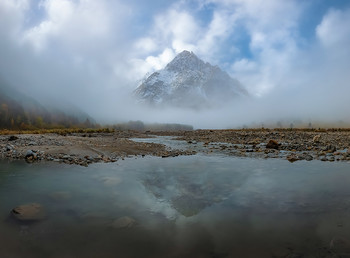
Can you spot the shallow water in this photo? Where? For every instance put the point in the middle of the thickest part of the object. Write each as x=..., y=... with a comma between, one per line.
x=193, y=206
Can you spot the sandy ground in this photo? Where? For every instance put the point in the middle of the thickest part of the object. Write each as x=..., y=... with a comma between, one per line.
x=84, y=149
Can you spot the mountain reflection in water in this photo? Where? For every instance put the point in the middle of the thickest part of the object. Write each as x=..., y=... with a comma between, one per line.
x=194, y=206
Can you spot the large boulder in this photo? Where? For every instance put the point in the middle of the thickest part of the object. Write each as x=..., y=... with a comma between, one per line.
x=29, y=212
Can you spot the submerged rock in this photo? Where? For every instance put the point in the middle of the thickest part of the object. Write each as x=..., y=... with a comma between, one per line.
x=340, y=245
x=29, y=212
x=110, y=181
x=61, y=196
x=123, y=222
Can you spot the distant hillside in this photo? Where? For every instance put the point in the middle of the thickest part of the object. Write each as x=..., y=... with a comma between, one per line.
x=18, y=111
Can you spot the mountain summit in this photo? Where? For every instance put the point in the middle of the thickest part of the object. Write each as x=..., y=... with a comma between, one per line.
x=187, y=81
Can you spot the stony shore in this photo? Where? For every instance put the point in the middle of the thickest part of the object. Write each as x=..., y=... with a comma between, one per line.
x=81, y=149
x=293, y=145
x=84, y=149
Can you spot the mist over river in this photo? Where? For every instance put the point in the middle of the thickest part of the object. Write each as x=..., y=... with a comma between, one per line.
x=188, y=206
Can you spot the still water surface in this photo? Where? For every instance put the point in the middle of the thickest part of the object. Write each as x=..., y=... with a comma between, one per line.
x=193, y=206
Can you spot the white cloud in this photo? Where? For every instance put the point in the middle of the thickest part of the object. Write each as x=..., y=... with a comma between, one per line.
x=220, y=28
x=177, y=24
x=334, y=30
x=176, y=30
x=270, y=25
x=74, y=23
x=160, y=61
x=12, y=17
x=145, y=45
x=171, y=33
x=96, y=49
x=271, y=28
x=141, y=67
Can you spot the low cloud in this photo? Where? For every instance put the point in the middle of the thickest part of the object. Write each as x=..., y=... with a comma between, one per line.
x=94, y=53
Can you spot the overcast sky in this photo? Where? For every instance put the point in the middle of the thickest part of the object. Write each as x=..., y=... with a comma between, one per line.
x=289, y=53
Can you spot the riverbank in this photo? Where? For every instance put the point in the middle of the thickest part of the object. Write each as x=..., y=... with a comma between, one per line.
x=293, y=145
x=86, y=148
x=80, y=148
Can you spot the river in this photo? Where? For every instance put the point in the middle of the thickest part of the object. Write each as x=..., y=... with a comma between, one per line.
x=188, y=206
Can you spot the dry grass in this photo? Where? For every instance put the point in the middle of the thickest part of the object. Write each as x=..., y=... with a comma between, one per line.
x=56, y=131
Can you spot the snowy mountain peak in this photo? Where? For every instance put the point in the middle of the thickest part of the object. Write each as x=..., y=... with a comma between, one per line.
x=185, y=61
x=188, y=81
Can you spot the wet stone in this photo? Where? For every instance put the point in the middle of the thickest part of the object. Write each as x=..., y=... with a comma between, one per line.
x=111, y=181
x=308, y=157
x=123, y=222
x=323, y=159
x=292, y=158
x=61, y=196
x=340, y=245
x=29, y=212
x=30, y=155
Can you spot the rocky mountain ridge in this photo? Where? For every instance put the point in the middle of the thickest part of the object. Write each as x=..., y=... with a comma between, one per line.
x=187, y=81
